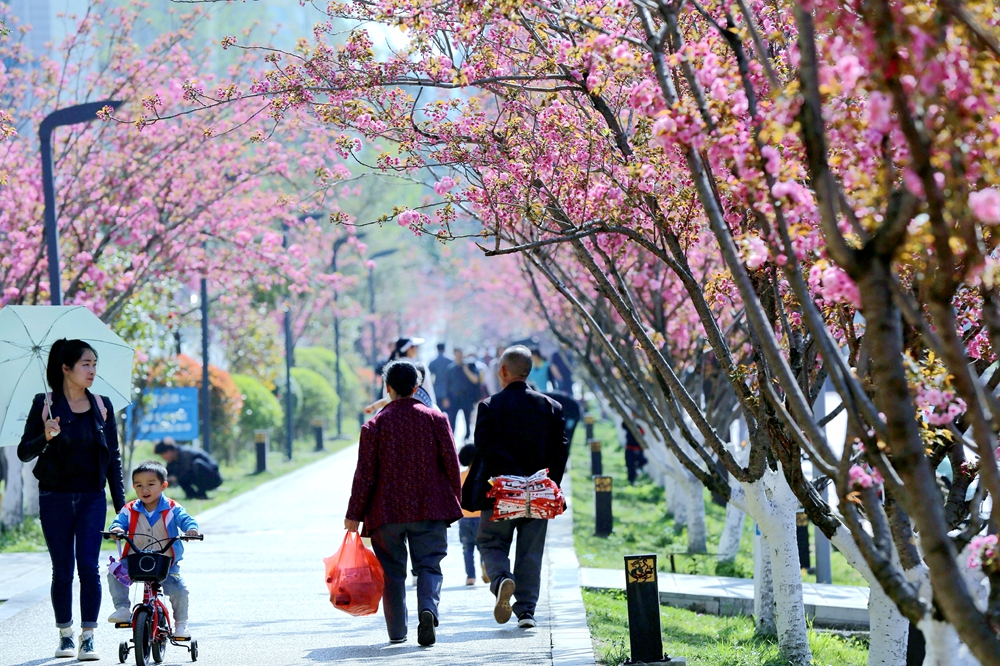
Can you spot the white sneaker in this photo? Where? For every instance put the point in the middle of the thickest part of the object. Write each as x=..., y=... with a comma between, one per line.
x=67, y=648
x=121, y=615
x=87, y=652
x=181, y=631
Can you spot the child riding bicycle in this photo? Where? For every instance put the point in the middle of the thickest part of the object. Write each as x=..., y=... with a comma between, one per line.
x=148, y=519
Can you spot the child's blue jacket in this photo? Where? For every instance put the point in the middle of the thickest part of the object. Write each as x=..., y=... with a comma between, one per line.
x=176, y=520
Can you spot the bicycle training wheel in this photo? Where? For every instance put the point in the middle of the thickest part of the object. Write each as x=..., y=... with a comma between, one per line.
x=143, y=636
x=194, y=650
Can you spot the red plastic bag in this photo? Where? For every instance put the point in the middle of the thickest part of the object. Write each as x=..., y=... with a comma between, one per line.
x=354, y=577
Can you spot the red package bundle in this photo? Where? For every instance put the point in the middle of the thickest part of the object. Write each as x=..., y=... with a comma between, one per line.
x=535, y=496
x=354, y=577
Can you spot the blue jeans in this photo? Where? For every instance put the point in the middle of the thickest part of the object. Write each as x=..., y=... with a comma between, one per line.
x=173, y=587
x=428, y=544
x=467, y=530
x=72, y=524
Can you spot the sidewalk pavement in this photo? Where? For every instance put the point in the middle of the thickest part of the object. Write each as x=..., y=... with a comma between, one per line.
x=835, y=606
x=258, y=596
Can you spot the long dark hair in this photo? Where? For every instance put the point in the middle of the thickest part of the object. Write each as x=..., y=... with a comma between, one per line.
x=64, y=352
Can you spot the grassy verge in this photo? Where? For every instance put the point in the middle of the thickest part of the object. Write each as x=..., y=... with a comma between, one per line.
x=239, y=478
x=642, y=524
x=706, y=640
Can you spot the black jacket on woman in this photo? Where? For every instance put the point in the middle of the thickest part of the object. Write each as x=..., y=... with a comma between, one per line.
x=54, y=468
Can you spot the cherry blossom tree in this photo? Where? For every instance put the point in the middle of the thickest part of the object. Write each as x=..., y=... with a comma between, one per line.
x=836, y=159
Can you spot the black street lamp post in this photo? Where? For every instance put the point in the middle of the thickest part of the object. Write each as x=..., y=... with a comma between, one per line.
x=289, y=362
x=206, y=399
x=72, y=115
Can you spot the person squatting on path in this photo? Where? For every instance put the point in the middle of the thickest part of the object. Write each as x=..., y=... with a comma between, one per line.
x=76, y=443
x=192, y=469
x=151, y=518
x=406, y=490
x=518, y=432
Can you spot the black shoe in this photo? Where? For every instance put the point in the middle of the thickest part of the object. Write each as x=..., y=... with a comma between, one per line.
x=502, y=610
x=526, y=621
x=397, y=640
x=425, y=629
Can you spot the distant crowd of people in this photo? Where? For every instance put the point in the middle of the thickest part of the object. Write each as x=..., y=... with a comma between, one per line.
x=456, y=385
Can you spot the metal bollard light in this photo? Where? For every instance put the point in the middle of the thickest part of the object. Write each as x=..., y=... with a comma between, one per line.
x=643, y=594
x=596, y=463
x=261, y=443
x=588, y=423
x=603, y=518
x=317, y=425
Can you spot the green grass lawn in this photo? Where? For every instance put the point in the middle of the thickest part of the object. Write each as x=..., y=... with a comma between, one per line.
x=239, y=478
x=642, y=524
x=705, y=640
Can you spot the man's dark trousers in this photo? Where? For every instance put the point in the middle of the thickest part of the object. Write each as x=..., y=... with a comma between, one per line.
x=428, y=544
x=452, y=414
x=494, y=540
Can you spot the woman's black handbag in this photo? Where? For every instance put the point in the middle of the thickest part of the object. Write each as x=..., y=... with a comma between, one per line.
x=148, y=567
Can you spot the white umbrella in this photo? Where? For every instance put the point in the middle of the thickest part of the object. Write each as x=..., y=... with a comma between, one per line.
x=26, y=336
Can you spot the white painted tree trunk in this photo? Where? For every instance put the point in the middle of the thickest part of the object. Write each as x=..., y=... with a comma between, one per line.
x=676, y=501
x=30, y=485
x=888, y=629
x=694, y=500
x=771, y=502
x=763, y=588
x=732, y=533
x=944, y=647
x=12, y=511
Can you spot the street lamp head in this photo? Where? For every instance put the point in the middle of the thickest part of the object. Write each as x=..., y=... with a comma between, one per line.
x=71, y=115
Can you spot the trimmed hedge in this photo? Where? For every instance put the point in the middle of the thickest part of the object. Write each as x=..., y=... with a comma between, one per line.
x=324, y=362
x=261, y=410
x=318, y=399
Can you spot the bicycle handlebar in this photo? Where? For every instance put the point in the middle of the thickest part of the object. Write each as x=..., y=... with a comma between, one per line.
x=170, y=541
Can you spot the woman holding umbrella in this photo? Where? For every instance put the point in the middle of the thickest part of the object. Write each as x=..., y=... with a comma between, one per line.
x=73, y=434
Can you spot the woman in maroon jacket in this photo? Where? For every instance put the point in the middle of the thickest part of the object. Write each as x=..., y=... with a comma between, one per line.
x=406, y=491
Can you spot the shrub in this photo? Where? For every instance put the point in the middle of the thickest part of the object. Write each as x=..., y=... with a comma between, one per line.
x=261, y=410
x=225, y=401
x=318, y=399
x=323, y=361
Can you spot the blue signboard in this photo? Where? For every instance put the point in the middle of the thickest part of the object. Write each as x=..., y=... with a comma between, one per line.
x=169, y=412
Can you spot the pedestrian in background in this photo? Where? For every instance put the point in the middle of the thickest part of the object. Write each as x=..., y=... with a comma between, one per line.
x=468, y=526
x=439, y=374
x=73, y=434
x=406, y=492
x=493, y=373
x=519, y=432
x=464, y=385
x=542, y=371
x=634, y=456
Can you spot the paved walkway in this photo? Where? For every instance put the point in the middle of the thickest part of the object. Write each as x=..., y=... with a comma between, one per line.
x=839, y=606
x=258, y=596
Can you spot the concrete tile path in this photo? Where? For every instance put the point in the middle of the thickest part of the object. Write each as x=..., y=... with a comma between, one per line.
x=258, y=596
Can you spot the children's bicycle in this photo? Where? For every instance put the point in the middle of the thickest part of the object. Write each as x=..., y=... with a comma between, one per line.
x=150, y=624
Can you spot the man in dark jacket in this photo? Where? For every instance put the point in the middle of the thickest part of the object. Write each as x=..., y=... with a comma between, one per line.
x=464, y=386
x=192, y=469
x=518, y=432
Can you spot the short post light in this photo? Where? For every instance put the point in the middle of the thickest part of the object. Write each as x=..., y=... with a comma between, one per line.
x=603, y=519
x=643, y=595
